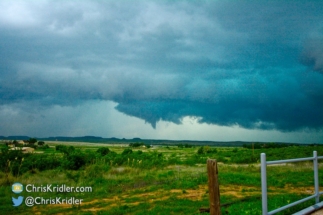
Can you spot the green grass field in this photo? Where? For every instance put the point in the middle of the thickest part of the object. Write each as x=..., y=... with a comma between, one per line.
x=156, y=180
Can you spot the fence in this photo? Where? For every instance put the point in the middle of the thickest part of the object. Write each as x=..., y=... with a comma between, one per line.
x=264, y=164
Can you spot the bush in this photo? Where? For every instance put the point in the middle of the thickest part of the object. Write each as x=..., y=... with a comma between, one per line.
x=64, y=149
x=75, y=160
x=45, y=147
x=136, y=144
x=32, y=140
x=41, y=143
x=127, y=151
x=139, y=152
x=40, y=162
x=11, y=161
x=200, y=150
x=103, y=151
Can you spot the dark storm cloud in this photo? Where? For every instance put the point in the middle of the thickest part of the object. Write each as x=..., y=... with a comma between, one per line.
x=252, y=102
x=242, y=63
x=312, y=55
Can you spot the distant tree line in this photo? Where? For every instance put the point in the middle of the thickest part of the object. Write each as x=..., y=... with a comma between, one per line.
x=267, y=145
x=138, y=144
x=184, y=145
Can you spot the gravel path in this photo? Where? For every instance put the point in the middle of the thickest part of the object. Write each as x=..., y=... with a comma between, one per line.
x=319, y=212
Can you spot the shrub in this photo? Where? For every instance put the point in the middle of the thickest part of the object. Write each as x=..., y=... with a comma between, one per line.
x=200, y=150
x=45, y=147
x=32, y=140
x=74, y=160
x=127, y=151
x=41, y=143
x=64, y=149
x=136, y=144
x=40, y=162
x=139, y=152
x=103, y=151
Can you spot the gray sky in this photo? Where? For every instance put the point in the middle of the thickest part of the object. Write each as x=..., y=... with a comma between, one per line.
x=199, y=70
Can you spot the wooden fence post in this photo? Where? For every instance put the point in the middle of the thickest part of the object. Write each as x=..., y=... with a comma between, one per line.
x=214, y=192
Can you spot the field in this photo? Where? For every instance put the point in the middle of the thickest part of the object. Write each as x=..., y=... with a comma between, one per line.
x=140, y=179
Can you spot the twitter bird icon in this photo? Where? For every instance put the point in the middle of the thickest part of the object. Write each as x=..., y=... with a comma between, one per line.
x=18, y=201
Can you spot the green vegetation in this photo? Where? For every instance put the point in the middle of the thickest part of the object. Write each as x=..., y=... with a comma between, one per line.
x=139, y=144
x=132, y=179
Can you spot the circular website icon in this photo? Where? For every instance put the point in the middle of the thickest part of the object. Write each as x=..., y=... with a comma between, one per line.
x=17, y=188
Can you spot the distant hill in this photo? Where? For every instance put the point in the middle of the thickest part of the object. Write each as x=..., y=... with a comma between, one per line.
x=15, y=138
x=74, y=139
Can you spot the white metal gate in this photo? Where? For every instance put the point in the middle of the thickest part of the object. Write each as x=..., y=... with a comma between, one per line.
x=264, y=164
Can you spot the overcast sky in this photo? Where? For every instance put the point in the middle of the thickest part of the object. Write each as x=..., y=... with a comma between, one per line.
x=198, y=70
